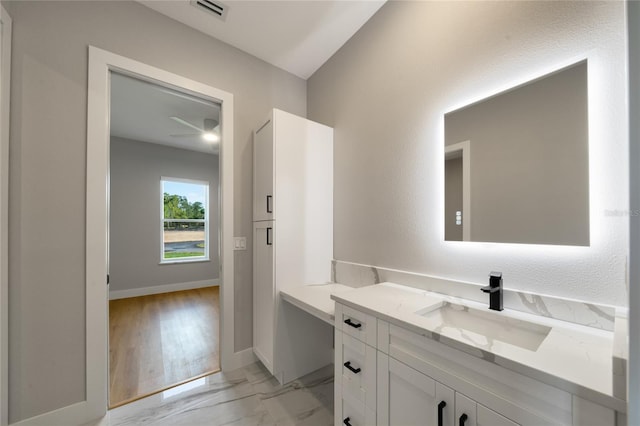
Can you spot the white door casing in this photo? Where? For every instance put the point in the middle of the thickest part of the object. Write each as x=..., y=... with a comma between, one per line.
x=101, y=63
x=5, y=70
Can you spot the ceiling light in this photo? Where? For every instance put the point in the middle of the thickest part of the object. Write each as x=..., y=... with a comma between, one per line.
x=210, y=137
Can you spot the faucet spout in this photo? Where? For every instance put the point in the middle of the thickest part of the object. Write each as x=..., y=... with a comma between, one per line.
x=495, y=291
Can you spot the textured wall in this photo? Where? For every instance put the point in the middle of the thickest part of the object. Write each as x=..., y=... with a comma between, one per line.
x=134, y=227
x=386, y=91
x=48, y=169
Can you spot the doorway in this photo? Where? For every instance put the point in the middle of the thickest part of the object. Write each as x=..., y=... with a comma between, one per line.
x=164, y=213
x=101, y=63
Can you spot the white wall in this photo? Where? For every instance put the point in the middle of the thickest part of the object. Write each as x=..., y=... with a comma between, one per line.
x=385, y=92
x=135, y=222
x=48, y=169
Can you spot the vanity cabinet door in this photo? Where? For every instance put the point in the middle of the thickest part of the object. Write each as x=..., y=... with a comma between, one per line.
x=408, y=397
x=465, y=411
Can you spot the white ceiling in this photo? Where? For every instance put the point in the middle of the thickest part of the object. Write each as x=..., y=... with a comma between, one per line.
x=297, y=36
x=141, y=111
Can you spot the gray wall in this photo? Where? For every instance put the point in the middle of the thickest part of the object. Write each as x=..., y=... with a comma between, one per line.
x=48, y=169
x=134, y=228
x=386, y=92
x=529, y=161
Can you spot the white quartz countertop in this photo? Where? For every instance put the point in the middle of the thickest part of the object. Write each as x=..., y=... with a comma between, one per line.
x=575, y=358
x=315, y=299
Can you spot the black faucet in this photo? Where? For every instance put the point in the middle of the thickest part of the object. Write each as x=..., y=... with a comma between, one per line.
x=495, y=291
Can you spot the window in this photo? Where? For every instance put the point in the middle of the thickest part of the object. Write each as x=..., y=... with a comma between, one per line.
x=185, y=220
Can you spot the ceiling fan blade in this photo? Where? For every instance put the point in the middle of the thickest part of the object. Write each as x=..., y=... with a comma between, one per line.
x=186, y=123
x=186, y=135
x=210, y=124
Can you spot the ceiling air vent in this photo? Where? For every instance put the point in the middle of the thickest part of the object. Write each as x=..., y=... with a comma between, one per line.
x=215, y=8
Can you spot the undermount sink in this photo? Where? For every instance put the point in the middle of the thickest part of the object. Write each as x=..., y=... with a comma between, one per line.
x=474, y=325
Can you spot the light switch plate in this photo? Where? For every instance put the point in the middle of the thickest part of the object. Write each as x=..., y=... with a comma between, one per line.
x=239, y=243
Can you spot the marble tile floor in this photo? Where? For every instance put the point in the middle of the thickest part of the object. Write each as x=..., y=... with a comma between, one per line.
x=249, y=396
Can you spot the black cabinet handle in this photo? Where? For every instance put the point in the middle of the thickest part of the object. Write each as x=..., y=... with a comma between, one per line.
x=353, y=370
x=347, y=421
x=269, y=207
x=441, y=406
x=352, y=324
x=269, y=237
x=463, y=418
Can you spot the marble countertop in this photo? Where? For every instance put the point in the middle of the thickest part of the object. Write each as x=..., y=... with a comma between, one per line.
x=572, y=357
x=315, y=299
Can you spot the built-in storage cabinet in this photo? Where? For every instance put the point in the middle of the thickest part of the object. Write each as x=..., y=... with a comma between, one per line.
x=292, y=240
x=263, y=290
x=420, y=381
x=263, y=176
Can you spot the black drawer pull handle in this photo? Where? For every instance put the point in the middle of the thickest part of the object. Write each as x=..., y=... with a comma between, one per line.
x=353, y=370
x=347, y=421
x=352, y=324
x=441, y=406
x=269, y=237
x=269, y=207
x=463, y=418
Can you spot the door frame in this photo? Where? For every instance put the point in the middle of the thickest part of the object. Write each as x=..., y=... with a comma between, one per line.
x=5, y=88
x=463, y=150
x=101, y=63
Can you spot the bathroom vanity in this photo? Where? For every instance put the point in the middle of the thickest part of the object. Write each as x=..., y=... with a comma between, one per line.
x=408, y=356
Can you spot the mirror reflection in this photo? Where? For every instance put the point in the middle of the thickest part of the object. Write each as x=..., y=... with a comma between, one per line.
x=517, y=164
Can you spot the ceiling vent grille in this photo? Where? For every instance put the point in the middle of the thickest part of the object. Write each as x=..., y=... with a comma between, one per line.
x=214, y=8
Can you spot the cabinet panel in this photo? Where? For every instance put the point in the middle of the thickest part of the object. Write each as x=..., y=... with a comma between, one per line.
x=358, y=324
x=445, y=400
x=263, y=175
x=587, y=413
x=465, y=411
x=263, y=293
x=358, y=370
x=409, y=398
x=487, y=417
x=355, y=414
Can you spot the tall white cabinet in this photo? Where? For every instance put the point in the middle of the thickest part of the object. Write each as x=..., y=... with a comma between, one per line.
x=292, y=240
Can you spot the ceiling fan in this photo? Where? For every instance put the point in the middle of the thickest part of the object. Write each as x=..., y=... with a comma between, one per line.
x=209, y=131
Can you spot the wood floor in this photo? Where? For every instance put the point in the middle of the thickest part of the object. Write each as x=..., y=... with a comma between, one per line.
x=161, y=340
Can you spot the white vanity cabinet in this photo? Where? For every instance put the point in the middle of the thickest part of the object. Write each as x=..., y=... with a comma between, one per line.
x=421, y=381
x=408, y=397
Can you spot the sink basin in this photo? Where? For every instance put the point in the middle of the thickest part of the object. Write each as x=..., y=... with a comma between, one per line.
x=483, y=327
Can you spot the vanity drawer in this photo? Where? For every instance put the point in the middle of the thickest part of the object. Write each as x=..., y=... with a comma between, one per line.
x=358, y=370
x=356, y=324
x=354, y=413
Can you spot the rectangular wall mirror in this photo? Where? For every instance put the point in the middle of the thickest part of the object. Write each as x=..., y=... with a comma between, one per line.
x=517, y=164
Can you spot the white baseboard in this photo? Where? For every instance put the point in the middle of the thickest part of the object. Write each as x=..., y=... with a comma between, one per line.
x=80, y=413
x=145, y=291
x=241, y=359
x=75, y=414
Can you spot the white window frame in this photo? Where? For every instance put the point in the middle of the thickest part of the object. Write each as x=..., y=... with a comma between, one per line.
x=205, y=257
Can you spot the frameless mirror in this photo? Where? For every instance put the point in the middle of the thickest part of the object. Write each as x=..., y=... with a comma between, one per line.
x=517, y=164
